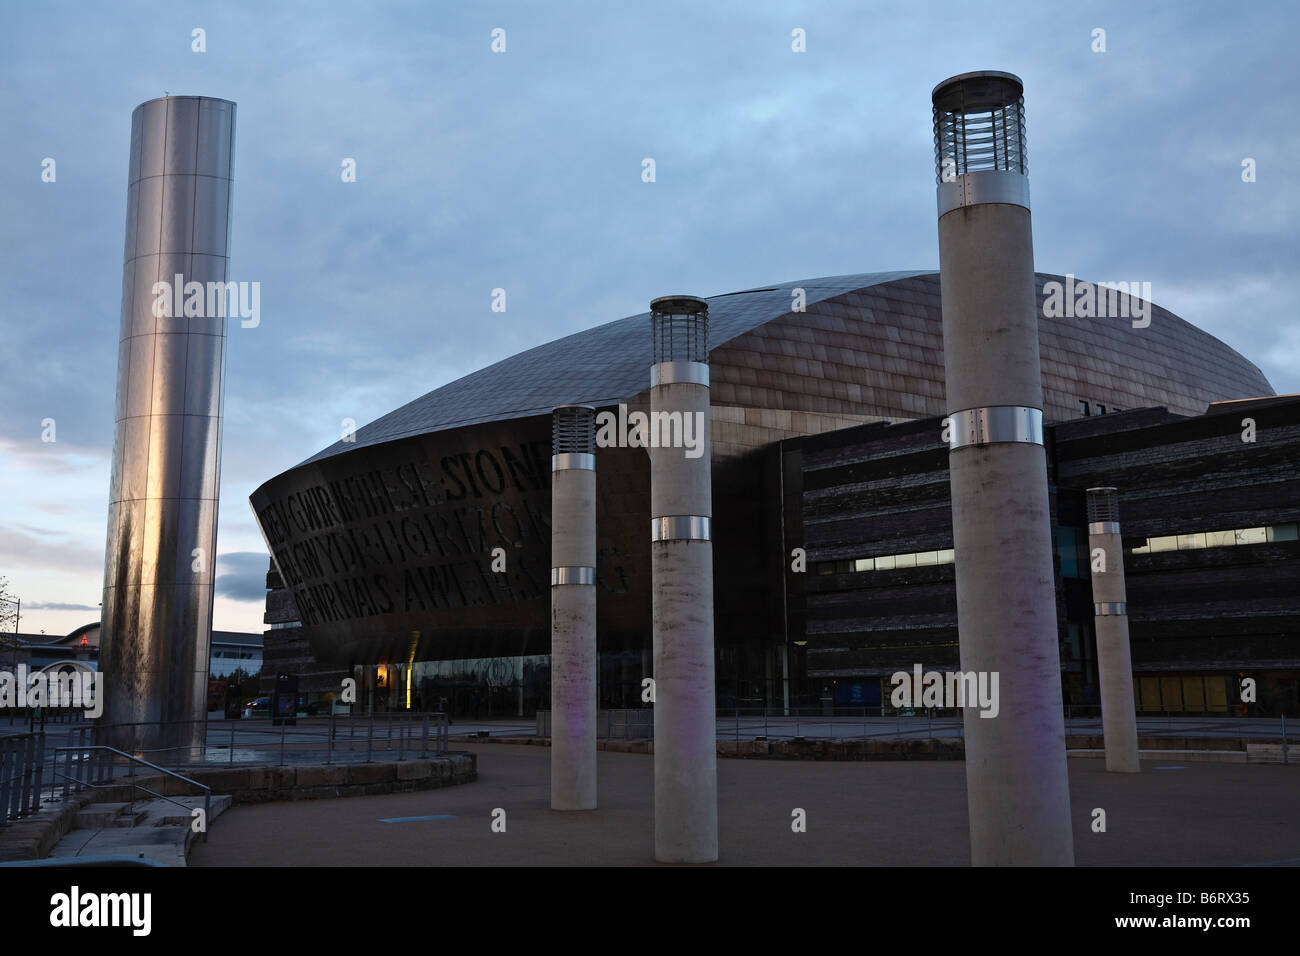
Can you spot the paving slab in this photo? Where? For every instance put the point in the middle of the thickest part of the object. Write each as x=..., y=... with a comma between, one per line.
x=858, y=813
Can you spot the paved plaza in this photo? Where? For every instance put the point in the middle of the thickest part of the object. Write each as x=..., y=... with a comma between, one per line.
x=858, y=813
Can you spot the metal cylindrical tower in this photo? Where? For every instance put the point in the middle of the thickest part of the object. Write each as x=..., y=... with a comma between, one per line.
x=573, y=608
x=1016, y=780
x=162, y=515
x=1110, y=609
x=681, y=553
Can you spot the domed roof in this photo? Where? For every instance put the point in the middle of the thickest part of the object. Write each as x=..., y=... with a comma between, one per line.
x=865, y=345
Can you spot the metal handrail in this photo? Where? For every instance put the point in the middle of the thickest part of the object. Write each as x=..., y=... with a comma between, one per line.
x=207, y=795
x=111, y=786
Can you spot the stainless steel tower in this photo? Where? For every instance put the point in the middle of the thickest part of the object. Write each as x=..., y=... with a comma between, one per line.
x=681, y=559
x=573, y=608
x=1110, y=607
x=1016, y=782
x=162, y=515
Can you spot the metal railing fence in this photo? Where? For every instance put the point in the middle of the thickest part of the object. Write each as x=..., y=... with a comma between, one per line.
x=83, y=762
x=84, y=755
x=22, y=764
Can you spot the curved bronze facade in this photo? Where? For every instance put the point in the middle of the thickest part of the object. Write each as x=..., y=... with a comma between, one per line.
x=386, y=542
x=389, y=555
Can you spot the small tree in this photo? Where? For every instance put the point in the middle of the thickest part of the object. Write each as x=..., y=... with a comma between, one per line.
x=8, y=627
x=8, y=619
x=246, y=681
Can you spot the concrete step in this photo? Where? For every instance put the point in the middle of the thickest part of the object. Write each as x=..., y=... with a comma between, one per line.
x=164, y=813
x=96, y=816
x=163, y=831
x=1272, y=753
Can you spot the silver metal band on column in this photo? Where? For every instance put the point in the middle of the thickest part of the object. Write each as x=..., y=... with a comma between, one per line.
x=575, y=460
x=984, y=186
x=671, y=373
x=681, y=528
x=995, y=423
x=573, y=576
x=1103, y=527
x=1114, y=608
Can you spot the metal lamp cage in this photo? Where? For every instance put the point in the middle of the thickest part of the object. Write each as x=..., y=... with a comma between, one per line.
x=979, y=123
x=679, y=325
x=573, y=430
x=1103, y=505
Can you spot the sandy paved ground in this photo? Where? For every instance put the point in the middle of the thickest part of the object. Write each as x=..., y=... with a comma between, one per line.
x=891, y=813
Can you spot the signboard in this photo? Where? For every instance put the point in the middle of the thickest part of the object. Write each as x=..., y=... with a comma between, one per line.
x=284, y=699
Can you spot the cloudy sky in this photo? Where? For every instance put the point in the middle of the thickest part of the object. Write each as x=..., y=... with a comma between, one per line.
x=521, y=170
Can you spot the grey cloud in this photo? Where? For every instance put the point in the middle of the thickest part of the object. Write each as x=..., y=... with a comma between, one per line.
x=54, y=606
x=241, y=575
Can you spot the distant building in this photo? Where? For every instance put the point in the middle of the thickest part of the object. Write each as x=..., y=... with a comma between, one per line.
x=42, y=650
x=234, y=650
x=230, y=650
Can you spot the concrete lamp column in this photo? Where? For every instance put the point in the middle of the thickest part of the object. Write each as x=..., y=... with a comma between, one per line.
x=573, y=608
x=1017, y=786
x=1110, y=607
x=681, y=552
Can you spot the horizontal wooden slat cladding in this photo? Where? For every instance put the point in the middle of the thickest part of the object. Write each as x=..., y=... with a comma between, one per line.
x=1202, y=577
x=1247, y=652
x=1215, y=488
x=883, y=659
x=1204, y=608
x=882, y=489
x=878, y=489
x=280, y=608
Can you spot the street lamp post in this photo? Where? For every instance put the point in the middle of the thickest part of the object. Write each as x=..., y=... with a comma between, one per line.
x=13, y=653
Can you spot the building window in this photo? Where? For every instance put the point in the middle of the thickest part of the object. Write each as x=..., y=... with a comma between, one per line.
x=1284, y=532
x=1085, y=407
x=1101, y=409
x=1072, y=549
x=885, y=562
x=1218, y=539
